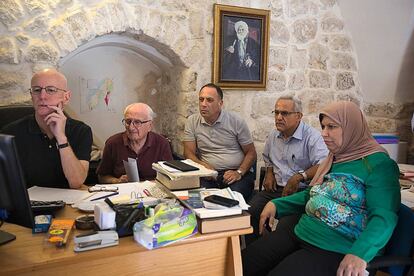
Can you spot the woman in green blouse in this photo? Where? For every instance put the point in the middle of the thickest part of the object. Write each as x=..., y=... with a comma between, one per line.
x=344, y=219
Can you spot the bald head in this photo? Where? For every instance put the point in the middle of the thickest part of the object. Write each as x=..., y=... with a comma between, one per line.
x=43, y=101
x=141, y=108
x=52, y=76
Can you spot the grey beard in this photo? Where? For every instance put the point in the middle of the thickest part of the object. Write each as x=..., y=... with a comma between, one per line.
x=241, y=36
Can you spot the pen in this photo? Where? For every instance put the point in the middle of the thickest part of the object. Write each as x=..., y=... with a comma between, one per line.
x=105, y=196
x=109, y=202
x=146, y=192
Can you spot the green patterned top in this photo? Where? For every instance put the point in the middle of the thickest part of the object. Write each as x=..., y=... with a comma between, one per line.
x=353, y=212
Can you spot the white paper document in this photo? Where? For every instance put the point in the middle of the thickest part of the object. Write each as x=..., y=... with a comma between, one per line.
x=126, y=192
x=69, y=196
x=131, y=169
x=214, y=210
x=225, y=193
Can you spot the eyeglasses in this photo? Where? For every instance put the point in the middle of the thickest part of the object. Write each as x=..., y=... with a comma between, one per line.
x=36, y=90
x=283, y=113
x=135, y=123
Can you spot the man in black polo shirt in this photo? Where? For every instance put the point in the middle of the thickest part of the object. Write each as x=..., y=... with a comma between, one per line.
x=54, y=150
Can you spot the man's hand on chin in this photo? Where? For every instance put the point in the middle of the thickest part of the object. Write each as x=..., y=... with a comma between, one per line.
x=56, y=121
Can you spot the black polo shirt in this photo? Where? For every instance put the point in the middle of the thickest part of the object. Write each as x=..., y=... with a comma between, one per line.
x=39, y=156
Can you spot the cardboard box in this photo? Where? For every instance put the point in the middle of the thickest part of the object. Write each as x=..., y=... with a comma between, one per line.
x=185, y=182
x=42, y=223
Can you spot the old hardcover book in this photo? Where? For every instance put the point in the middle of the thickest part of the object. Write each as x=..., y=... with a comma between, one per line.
x=211, y=225
x=59, y=231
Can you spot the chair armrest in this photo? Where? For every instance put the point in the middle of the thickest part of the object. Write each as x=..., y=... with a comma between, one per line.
x=261, y=178
x=387, y=261
x=92, y=177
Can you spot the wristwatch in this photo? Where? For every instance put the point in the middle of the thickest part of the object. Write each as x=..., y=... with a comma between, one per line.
x=62, y=146
x=240, y=172
x=303, y=174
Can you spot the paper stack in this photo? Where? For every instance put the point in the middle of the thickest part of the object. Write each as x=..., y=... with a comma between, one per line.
x=212, y=217
x=205, y=209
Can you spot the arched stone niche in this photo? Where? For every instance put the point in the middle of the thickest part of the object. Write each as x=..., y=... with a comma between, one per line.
x=111, y=71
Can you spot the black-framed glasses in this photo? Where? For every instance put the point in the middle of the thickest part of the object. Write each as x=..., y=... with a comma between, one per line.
x=36, y=90
x=283, y=113
x=135, y=123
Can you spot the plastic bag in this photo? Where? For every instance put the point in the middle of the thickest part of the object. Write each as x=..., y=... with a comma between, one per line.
x=169, y=224
x=126, y=216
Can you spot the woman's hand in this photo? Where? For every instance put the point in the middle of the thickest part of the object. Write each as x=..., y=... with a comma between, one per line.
x=352, y=265
x=269, y=212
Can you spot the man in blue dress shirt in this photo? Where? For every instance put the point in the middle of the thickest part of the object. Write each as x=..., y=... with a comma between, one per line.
x=292, y=155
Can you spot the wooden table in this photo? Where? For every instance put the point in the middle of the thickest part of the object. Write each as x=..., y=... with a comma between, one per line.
x=207, y=254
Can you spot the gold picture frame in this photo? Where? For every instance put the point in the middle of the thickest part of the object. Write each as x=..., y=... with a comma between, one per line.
x=241, y=39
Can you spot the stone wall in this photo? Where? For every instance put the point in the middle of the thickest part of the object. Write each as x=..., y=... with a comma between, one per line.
x=310, y=54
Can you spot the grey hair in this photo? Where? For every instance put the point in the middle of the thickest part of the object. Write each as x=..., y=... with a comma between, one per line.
x=241, y=23
x=152, y=115
x=297, y=103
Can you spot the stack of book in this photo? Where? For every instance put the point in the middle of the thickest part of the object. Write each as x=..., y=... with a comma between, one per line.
x=216, y=220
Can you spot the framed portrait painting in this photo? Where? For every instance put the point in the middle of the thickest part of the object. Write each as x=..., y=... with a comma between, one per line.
x=241, y=38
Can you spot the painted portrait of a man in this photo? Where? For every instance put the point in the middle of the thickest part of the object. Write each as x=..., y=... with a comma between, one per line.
x=242, y=52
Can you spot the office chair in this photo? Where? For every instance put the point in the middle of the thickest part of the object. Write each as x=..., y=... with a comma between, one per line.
x=11, y=113
x=398, y=256
x=176, y=155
